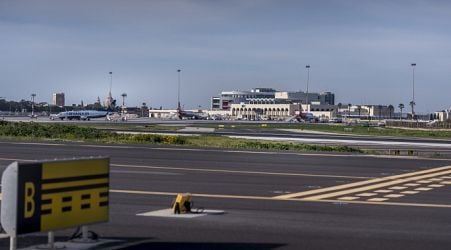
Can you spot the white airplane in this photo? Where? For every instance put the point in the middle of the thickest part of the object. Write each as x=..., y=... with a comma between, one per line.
x=80, y=115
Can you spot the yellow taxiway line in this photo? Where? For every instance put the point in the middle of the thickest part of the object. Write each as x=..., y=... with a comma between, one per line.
x=224, y=196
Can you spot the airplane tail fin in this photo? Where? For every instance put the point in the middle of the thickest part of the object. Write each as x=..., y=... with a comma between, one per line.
x=111, y=107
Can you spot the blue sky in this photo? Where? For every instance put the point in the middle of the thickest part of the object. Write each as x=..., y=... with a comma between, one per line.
x=361, y=50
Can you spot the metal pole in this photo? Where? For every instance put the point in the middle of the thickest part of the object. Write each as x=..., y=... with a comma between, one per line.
x=308, y=80
x=178, y=89
x=84, y=233
x=111, y=81
x=51, y=240
x=13, y=243
x=32, y=105
x=413, y=89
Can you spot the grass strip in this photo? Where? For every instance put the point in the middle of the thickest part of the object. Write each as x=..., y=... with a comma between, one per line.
x=22, y=130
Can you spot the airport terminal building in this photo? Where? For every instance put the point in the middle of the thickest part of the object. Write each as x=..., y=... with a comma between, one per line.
x=269, y=96
x=267, y=103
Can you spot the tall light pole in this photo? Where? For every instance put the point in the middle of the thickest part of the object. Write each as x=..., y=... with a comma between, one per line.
x=123, y=104
x=111, y=80
x=308, y=80
x=123, y=99
x=178, y=89
x=413, y=89
x=32, y=104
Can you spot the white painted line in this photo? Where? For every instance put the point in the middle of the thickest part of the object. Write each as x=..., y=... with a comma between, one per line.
x=143, y=172
x=345, y=141
x=237, y=171
x=373, y=201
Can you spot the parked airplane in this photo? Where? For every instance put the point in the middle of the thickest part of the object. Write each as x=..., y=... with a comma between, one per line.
x=80, y=115
x=184, y=114
x=304, y=116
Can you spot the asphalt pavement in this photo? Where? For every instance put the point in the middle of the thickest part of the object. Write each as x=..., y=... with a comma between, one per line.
x=272, y=200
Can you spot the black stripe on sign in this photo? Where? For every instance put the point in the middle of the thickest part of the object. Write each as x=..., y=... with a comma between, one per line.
x=67, y=199
x=85, y=196
x=103, y=204
x=77, y=188
x=46, y=211
x=76, y=178
x=103, y=194
x=46, y=202
x=85, y=206
x=66, y=209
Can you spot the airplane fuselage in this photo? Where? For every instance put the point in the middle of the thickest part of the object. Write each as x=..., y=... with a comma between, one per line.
x=80, y=115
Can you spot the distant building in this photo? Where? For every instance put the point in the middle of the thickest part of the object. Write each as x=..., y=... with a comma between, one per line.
x=109, y=101
x=228, y=98
x=444, y=115
x=368, y=111
x=58, y=99
x=269, y=96
x=215, y=103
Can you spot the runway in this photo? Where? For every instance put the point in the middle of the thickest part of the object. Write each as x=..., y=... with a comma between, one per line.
x=429, y=147
x=272, y=200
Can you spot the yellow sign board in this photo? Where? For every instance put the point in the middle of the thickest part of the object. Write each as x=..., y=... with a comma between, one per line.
x=61, y=194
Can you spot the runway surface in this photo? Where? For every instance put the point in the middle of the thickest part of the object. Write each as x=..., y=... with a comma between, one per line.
x=272, y=200
x=429, y=147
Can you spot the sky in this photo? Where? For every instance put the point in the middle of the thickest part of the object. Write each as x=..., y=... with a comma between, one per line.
x=360, y=50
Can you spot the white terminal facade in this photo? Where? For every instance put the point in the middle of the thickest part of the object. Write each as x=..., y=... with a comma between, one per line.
x=272, y=104
x=268, y=103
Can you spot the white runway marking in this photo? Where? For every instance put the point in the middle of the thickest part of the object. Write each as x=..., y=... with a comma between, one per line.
x=345, y=141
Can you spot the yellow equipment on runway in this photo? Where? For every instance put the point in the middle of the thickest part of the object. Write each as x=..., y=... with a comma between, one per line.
x=182, y=204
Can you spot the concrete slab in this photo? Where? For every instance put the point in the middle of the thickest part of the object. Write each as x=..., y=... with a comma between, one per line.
x=196, y=129
x=168, y=213
x=70, y=245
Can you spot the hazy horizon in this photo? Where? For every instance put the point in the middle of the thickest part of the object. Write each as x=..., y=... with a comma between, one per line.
x=360, y=50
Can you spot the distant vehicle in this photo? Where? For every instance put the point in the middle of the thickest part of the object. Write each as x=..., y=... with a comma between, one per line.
x=335, y=120
x=80, y=115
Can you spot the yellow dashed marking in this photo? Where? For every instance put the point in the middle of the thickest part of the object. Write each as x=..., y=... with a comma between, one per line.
x=446, y=182
x=446, y=177
x=348, y=198
x=383, y=191
x=409, y=192
x=398, y=181
x=398, y=188
x=394, y=195
x=367, y=194
x=372, y=190
x=377, y=199
x=411, y=184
